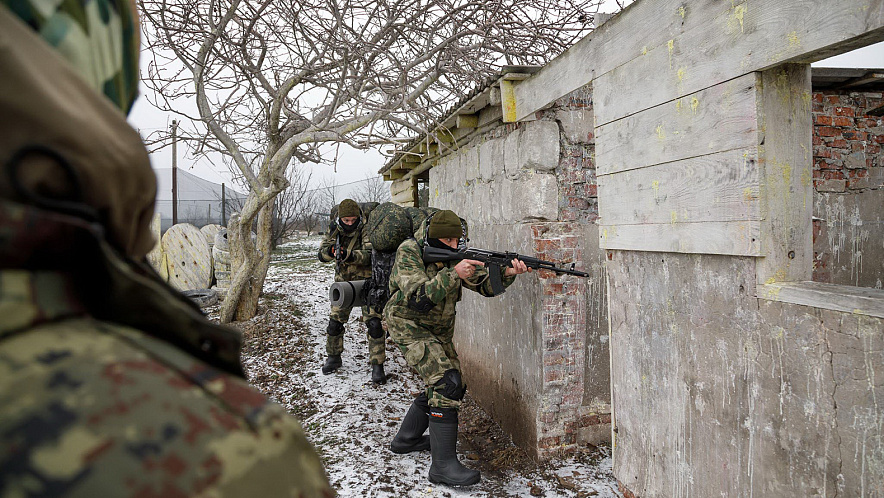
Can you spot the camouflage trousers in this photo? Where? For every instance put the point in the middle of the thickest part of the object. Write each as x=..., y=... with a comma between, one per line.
x=430, y=352
x=334, y=344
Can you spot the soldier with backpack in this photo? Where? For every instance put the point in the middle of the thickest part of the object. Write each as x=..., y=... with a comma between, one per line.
x=346, y=245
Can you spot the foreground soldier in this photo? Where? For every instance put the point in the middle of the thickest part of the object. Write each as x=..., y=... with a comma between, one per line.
x=345, y=244
x=420, y=316
x=111, y=383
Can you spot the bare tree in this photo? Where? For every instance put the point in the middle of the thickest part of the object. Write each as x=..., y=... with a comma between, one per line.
x=372, y=189
x=272, y=81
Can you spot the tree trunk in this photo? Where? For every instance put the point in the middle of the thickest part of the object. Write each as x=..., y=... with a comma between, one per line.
x=248, y=302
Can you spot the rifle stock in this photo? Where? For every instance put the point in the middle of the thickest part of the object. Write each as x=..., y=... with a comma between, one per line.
x=494, y=261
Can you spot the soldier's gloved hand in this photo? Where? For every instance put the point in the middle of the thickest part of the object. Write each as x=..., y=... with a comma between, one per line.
x=344, y=255
x=331, y=251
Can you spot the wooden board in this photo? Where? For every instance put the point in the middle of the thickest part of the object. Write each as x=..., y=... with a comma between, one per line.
x=718, y=187
x=642, y=25
x=717, y=119
x=855, y=300
x=786, y=158
x=210, y=231
x=751, y=36
x=737, y=37
x=188, y=258
x=740, y=238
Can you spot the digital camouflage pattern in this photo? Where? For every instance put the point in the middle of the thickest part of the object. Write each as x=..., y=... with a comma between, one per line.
x=422, y=309
x=90, y=408
x=388, y=225
x=81, y=31
x=111, y=382
x=357, y=266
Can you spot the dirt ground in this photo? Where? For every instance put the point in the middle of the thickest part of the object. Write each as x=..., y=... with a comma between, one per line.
x=351, y=421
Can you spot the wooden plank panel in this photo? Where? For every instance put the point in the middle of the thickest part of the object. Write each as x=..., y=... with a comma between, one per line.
x=751, y=36
x=400, y=186
x=856, y=300
x=404, y=198
x=739, y=238
x=641, y=26
x=786, y=166
x=714, y=120
x=717, y=187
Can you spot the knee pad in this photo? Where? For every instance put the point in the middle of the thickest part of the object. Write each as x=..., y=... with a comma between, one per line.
x=334, y=327
x=375, y=329
x=451, y=385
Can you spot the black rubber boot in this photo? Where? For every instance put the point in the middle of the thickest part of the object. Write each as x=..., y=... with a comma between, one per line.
x=411, y=433
x=377, y=373
x=446, y=468
x=332, y=363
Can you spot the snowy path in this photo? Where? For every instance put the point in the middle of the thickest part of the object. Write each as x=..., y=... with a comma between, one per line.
x=350, y=420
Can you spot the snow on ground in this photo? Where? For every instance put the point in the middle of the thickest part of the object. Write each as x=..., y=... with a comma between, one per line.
x=352, y=421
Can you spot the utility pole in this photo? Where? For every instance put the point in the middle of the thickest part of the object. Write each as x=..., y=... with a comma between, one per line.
x=174, y=172
x=223, y=206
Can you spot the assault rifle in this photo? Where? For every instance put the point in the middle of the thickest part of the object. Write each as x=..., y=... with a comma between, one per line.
x=339, y=257
x=494, y=261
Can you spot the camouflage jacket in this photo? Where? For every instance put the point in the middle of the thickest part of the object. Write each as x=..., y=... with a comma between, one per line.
x=357, y=266
x=113, y=385
x=428, y=293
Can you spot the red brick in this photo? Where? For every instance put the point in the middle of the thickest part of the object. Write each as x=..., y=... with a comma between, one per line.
x=833, y=99
x=842, y=121
x=839, y=143
x=844, y=111
x=827, y=131
x=822, y=119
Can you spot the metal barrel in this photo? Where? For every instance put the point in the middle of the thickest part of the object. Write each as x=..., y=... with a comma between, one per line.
x=347, y=294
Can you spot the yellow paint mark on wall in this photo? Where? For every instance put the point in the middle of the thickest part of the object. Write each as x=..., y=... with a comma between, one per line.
x=678, y=105
x=671, y=45
x=695, y=104
x=661, y=133
x=674, y=217
x=655, y=185
x=437, y=192
x=794, y=42
x=682, y=11
x=680, y=74
x=787, y=172
x=749, y=195
x=645, y=50
x=739, y=14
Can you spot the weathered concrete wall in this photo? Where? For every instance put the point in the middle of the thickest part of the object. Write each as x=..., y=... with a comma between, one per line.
x=848, y=172
x=537, y=357
x=719, y=392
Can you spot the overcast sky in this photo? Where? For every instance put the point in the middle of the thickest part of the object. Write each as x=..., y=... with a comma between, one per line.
x=356, y=165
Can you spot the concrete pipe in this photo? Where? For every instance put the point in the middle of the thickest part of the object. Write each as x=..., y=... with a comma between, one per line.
x=348, y=294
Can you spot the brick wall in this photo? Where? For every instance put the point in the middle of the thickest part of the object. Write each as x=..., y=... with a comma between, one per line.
x=573, y=411
x=848, y=180
x=847, y=141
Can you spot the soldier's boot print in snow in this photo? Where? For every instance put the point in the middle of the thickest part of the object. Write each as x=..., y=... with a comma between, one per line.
x=411, y=433
x=446, y=468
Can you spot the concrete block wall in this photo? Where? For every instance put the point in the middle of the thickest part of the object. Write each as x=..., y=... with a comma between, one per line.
x=848, y=179
x=537, y=357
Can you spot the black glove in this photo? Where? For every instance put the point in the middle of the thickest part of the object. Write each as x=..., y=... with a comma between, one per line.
x=344, y=254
